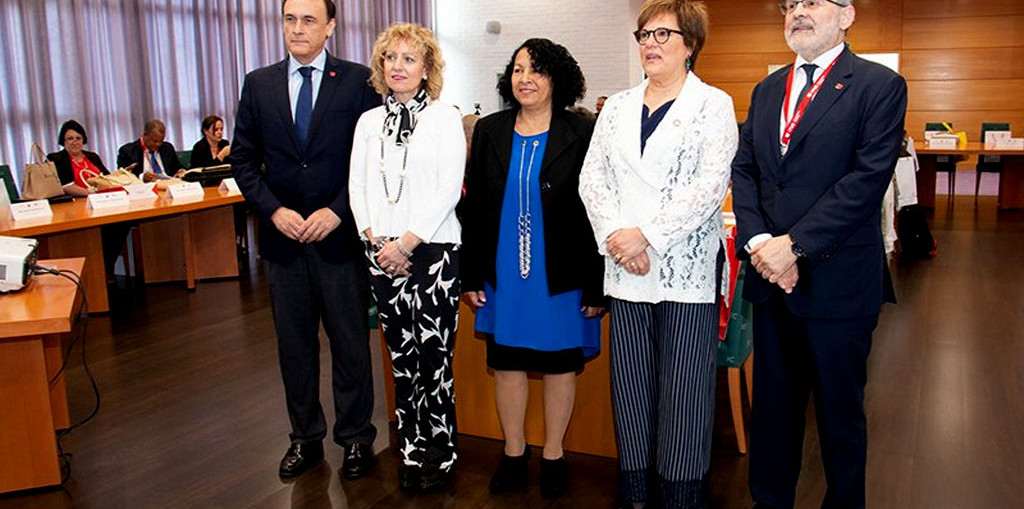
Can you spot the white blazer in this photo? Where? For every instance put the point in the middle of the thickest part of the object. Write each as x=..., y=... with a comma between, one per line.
x=673, y=192
x=435, y=166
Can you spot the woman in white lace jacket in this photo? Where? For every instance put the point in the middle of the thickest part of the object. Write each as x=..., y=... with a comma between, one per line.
x=653, y=183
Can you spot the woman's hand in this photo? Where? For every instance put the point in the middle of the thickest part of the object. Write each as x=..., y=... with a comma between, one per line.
x=638, y=265
x=474, y=299
x=392, y=261
x=593, y=311
x=625, y=243
x=224, y=152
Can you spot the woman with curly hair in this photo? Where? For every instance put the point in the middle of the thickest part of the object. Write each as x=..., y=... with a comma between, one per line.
x=530, y=263
x=408, y=158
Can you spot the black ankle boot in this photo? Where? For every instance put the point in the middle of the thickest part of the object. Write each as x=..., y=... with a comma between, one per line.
x=511, y=474
x=554, y=477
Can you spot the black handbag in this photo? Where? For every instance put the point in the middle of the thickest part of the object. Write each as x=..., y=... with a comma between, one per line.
x=209, y=176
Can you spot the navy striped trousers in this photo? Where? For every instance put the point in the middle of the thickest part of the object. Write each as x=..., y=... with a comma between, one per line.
x=663, y=397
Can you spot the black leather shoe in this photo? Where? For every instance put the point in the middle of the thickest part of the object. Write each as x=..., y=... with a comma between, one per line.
x=433, y=479
x=409, y=477
x=358, y=461
x=301, y=456
x=511, y=474
x=554, y=477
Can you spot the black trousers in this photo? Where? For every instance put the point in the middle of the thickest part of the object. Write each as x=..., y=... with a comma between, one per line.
x=419, y=314
x=303, y=294
x=798, y=357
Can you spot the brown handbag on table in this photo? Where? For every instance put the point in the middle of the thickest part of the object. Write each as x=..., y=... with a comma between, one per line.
x=40, y=180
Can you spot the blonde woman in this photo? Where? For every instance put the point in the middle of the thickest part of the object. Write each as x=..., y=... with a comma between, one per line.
x=406, y=178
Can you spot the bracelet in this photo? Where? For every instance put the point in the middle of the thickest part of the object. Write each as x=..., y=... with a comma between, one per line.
x=401, y=248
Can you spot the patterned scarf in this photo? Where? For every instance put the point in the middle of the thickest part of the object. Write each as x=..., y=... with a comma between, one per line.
x=401, y=118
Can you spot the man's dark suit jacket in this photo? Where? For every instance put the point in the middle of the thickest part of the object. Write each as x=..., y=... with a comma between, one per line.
x=570, y=252
x=826, y=192
x=132, y=153
x=273, y=170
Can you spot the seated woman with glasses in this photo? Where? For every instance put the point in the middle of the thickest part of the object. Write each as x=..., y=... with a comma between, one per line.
x=75, y=166
x=653, y=184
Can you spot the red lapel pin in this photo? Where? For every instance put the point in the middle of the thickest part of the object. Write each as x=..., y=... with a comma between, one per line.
x=839, y=86
x=332, y=74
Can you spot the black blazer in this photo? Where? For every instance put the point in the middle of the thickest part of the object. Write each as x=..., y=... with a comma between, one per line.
x=201, y=157
x=570, y=253
x=132, y=153
x=273, y=170
x=63, y=163
x=827, y=191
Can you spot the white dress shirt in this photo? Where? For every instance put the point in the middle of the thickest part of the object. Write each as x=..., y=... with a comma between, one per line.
x=295, y=78
x=435, y=166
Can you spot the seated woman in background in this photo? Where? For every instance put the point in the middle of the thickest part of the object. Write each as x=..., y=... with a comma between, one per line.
x=212, y=149
x=74, y=166
x=74, y=163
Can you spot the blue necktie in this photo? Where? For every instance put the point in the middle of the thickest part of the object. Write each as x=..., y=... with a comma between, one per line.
x=154, y=163
x=304, y=106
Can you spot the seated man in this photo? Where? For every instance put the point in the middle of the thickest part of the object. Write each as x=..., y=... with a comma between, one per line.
x=149, y=153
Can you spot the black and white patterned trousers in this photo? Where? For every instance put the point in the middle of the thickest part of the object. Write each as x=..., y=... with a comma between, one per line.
x=419, y=315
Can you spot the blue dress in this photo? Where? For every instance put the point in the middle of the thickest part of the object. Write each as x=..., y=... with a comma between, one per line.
x=520, y=312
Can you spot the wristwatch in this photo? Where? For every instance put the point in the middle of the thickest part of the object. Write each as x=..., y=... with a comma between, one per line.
x=797, y=250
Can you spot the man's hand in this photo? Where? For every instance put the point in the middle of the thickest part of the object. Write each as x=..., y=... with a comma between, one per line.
x=773, y=257
x=318, y=225
x=288, y=222
x=787, y=281
x=626, y=243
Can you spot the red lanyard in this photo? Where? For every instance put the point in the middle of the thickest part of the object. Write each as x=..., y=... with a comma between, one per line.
x=798, y=114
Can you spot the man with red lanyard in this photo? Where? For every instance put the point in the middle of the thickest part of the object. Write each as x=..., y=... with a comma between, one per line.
x=816, y=155
x=150, y=153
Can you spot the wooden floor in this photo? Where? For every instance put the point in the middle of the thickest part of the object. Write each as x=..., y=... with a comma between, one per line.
x=193, y=413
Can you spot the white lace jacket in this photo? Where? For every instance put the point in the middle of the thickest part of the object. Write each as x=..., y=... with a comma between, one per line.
x=673, y=192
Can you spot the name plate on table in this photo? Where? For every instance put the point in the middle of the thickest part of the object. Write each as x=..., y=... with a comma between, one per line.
x=185, y=190
x=996, y=139
x=229, y=186
x=111, y=200
x=1010, y=144
x=30, y=210
x=141, y=191
x=943, y=142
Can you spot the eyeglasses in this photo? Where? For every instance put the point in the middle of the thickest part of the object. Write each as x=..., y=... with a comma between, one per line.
x=661, y=35
x=788, y=7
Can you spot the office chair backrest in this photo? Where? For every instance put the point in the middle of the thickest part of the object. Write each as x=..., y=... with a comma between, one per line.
x=993, y=126
x=185, y=157
x=8, y=178
x=936, y=126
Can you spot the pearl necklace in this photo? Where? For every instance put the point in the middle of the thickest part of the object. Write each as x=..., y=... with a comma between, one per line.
x=401, y=173
x=525, y=228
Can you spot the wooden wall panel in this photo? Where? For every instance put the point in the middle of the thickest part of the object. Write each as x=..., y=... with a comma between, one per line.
x=739, y=67
x=914, y=9
x=969, y=121
x=991, y=95
x=744, y=12
x=740, y=93
x=963, y=64
x=970, y=32
x=728, y=38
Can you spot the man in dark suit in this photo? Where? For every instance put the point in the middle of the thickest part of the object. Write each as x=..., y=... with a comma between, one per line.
x=150, y=153
x=292, y=142
x=815, y=157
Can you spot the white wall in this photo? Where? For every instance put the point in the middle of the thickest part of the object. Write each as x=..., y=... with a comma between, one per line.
x=596, y=32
